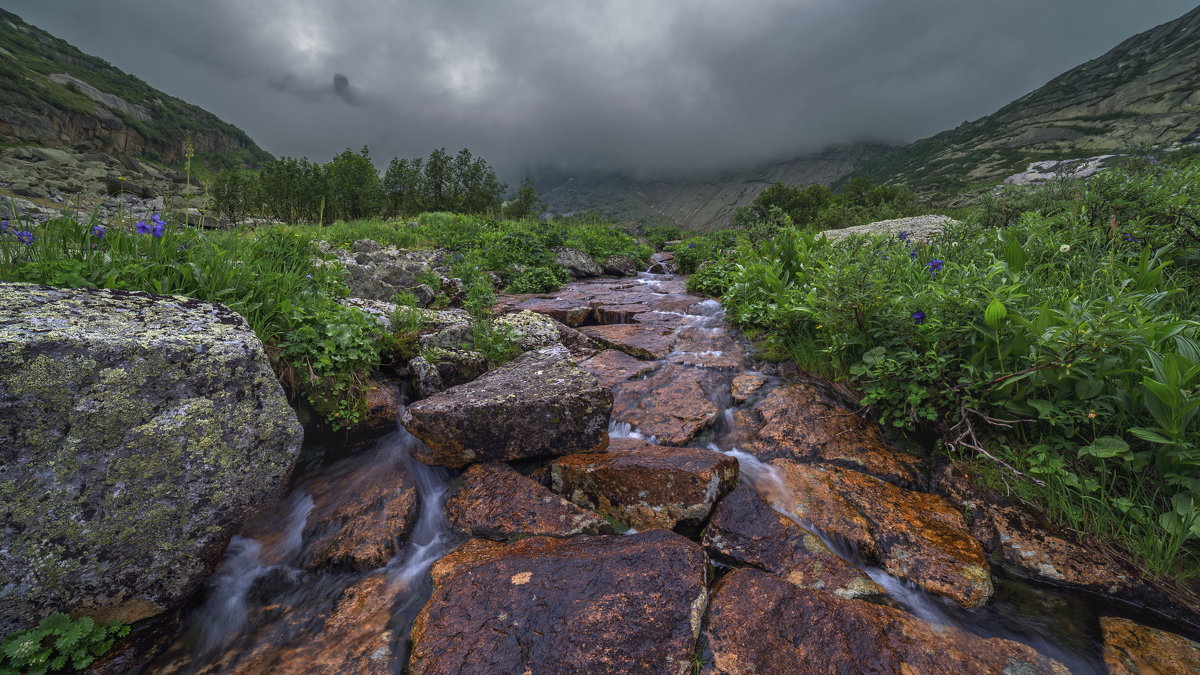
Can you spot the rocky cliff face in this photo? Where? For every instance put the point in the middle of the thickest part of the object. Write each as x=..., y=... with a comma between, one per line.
x=1146, y=90
x=700, y=202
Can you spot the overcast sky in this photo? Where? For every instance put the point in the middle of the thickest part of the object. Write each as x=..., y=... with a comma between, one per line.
x=643, y=85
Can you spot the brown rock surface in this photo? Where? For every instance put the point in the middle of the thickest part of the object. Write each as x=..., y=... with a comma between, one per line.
x=496, y=502
x=383, y=406
x=538, y=404
x=604, y=604
x=798, y=421
x=572, y=311
x=638, y=340
x=745, y=385
x=1133, y=649
x=672, y=404
x=647, y=486
x=612, y=367
x=744, y=529
x=916, y=536
x=758, y=623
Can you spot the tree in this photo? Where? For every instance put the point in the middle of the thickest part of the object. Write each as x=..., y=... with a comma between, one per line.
x=437, y=182
x=355, y=190
x=524, y=203
x=402, y=186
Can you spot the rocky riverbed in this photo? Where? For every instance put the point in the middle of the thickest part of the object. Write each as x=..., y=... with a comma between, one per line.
x=650, y=499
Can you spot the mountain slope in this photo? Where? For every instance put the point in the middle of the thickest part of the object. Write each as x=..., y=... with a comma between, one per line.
x=53, y=95
x=1145, y=91
x=697, y=202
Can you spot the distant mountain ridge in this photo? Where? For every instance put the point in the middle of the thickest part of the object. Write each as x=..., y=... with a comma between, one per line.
x=699, y=202
x=53, y=95
x=1144, y=91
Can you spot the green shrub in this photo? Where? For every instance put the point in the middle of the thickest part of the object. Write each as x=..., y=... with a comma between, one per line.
x=689, y=254
x=538, y=280
x=58, y=643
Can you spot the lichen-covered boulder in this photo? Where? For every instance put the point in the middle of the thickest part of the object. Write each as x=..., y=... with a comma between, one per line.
x=136, y=432
x=578, y=263
x=538, y=404
x=620, y=266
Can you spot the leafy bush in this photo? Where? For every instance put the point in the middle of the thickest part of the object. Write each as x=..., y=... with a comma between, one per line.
x=58, y=642
x=689, y=254
x=538, y=280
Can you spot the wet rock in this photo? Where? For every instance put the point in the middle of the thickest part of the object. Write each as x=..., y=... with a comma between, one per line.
x=758, y=623
x=580, y=345
x=1133, y=649
x=138, y=431
x=745, y=385
x=745, y=530
x=589, y=604
x=662, y=263
x=673, y=404
x=647, y=486
x=383, y=407
x=611, y=367
x=705, y=347
x=638, y=340
x=540, y=403
x=916, y=536
x=798, y=421
x=426, y=378
x=570, y=311
x=620, y=266
x=578, y=263
x=493, y=501
x=362, y=515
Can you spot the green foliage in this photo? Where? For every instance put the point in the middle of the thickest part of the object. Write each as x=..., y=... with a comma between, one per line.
x=354, y=187
x=690, y=253
x=524, y=203
x=58, y=643
x=538, y=280
x=713, y=278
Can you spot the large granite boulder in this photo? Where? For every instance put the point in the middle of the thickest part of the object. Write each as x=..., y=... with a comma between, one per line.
x=136, y=432
x=538, y=404
x=578, y=263
x=583, y=605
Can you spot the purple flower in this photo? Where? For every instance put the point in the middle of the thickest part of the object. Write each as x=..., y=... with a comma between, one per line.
x=1132, y=239
x=918, y=317
x=934, y=266
x=692, y=245
x=142, y=227
x=25, y=237
x=157, y=230
x=157, y=218
x=902, y=235
x=98, y=231
x=307, y=276
x=3, y=226
x=913, y=254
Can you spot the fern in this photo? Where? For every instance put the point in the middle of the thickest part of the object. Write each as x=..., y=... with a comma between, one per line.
x=56, y=642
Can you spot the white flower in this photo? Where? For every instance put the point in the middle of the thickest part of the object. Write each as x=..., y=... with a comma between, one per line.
x=1064, y=248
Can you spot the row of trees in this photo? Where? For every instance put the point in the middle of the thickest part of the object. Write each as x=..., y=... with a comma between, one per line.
x=349, y=187
x=816, y=206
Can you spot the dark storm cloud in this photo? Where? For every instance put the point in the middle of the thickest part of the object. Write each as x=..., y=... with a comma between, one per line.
x=633, y=84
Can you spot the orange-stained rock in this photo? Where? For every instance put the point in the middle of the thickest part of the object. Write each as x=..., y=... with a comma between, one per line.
x=746, y=385
x=758, y=623
x=916, y=536
x=745, y=530
x=638, y=340
x=570, y=311
x=798, y=421
x=362, y=515
x=612, y=366
x=496, y=502
x=647, y=486
x=383, y=406
x=607, y=604
x=672, y=404
x=1133, y=649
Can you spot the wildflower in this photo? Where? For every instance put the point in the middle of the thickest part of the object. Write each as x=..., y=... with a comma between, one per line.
x=902, y=235
x=25, y=237
x=98, y=231
x=913, y=254
x=918, y=317
x=157, y=218
x=934, y=266
x=1064, y=248
x=1091, y=414
x=692, y=245
x=157, y=230
x=142, y=227
x=307, y=276
x=1132, y=239
x=3, y=226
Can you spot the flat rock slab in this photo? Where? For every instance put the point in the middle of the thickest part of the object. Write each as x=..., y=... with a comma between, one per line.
x=673, y=404
x=494, y=501
x=538, y=404
x=746, y=531
x=758, y=623
x=647, y=486
x=745, y=385
x=916, y=536
x=607, y=604
x=637, y=340
x=612, y=367
x=1132, y=649
x=799, y=421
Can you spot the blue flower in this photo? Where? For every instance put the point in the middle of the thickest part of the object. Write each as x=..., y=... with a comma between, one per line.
x=934, y=266
x=918, y=317
x=98, y=231
x=3, y=226
x=25, y=237
x=157, y=230
x=913, y=254
x=157, y=218
x=307, y=276
x=692, y=245
x=902, y=235
x=142, y=227
x=1132, y=239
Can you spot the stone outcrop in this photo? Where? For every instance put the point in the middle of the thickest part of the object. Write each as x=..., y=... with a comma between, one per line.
x=673, y=404
x=612, y=367
x=577, y=263
x=647, y=486
x=620, y=266
x=589, y=604
x=493, y=501
x=136, y=432
x=758, y=623
x=538, y=404
x=916, y=229
x=638, y=340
